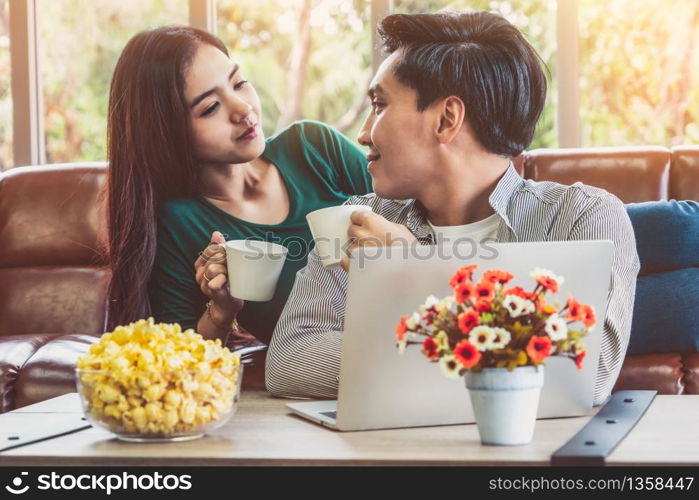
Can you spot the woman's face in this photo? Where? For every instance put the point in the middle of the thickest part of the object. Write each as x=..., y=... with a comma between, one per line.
x=225, y=110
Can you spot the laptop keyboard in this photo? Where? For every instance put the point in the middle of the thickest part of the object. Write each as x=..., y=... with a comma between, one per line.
x=331, y=414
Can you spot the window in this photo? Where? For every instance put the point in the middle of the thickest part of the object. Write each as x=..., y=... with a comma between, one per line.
x=80, y=42
x=306, y=59
x=639, y=72
x=5, y=88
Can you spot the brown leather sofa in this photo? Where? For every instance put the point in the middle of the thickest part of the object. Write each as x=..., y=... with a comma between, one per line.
x=53, y=279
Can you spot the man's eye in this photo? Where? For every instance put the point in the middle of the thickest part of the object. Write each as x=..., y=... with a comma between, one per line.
x=377, y=105
x=210, y=109
x=240, y=84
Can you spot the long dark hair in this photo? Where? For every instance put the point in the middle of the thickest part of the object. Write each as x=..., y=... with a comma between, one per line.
x=151, y=158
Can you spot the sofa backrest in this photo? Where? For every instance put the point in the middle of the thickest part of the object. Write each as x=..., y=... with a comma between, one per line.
x=634, y=174
x=53, y=277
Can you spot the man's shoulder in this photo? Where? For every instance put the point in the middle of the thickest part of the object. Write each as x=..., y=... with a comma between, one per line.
x=554, y=193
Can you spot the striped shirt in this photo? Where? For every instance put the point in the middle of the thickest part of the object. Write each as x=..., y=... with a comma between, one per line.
x=304, y=356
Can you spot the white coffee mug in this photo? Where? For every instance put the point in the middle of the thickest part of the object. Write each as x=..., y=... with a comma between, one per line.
x=329, y=228
x=254, y=268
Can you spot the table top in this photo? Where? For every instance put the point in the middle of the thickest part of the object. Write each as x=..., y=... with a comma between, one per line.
x=263, y=432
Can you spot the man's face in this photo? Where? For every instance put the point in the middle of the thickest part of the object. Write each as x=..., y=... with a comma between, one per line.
x=400, y=138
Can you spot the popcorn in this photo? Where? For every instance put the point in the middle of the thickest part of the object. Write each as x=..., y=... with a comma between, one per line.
x=157, y=380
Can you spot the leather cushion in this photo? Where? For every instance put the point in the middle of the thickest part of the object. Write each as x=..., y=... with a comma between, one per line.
x=52, y=215
x=634, y=174
x=684, y=173
x=15, y=351
x=53, y=299
x=50, y=372
x=660, y=372
x=691, y=369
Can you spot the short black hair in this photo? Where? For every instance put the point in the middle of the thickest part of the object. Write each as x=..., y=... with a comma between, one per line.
x=479, y=57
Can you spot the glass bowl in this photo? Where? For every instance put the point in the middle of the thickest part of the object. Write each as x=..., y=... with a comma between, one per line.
x=154, y=406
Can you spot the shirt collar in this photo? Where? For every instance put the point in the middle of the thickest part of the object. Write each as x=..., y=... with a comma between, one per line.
x=498, y=199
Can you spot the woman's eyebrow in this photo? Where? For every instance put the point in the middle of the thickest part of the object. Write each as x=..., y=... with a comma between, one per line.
x=206, y=94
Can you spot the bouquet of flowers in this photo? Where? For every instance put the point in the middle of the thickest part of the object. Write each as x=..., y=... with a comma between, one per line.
x=487, y=324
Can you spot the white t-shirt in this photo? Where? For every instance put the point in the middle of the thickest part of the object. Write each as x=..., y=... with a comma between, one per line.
x=485, y=229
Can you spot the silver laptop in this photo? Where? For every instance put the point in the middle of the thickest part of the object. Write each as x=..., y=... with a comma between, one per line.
x=379, y=388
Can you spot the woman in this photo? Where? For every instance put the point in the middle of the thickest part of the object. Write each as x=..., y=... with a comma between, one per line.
x=188, y=163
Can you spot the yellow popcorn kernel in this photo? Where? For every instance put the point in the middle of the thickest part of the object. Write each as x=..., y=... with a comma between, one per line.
x=173, y=398
x=204, y=392
x=203, y=370
x=187, y=412
x=122, y=404
x=171, y=418
x=108, y=393
x=112, y=411
x=154, y=392
x=121, y=335
x=139, y=417
x=134, y=401
x=154, y=412
x=203, y=414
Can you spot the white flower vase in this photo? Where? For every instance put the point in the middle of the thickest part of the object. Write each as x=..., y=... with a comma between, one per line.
x=505, y=403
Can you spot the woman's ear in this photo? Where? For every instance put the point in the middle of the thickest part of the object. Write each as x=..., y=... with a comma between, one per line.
x=451, y=118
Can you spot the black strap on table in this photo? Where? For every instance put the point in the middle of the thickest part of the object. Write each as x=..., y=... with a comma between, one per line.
x=603, y=433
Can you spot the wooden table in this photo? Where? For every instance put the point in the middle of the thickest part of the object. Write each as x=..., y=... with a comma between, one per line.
x=263, y=433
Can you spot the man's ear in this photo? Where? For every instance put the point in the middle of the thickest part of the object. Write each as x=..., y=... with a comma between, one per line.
x=451, y=118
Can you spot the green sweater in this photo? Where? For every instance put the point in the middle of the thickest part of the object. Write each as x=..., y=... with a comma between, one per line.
x=320, y=167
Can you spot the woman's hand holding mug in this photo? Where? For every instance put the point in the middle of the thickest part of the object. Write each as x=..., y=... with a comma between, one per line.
x=211, y=274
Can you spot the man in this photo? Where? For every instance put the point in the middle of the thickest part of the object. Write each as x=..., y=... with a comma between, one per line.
x=458, y=96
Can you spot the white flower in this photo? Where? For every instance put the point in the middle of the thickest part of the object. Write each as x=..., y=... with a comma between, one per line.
x=545, y=273
x=501, y=338
x=450, y=367
x=413, y=321
x=517, y=306
x=447, y=303
x=556, y=327
x=402, y=344
x=431, y=302
x=482, y=337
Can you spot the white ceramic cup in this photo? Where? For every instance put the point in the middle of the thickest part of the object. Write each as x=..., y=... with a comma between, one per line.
x=254, y=268
x=329, y=228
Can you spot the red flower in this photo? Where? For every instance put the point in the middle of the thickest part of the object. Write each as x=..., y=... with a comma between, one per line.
x=430, y=348
x=467, y=321
x=401, y=328
x=494, y=276
x=589, y=316
x=483, y=306
x=576, y=310
x=520, y=292
x=579, y=359
x=465, y=291
x=485, y=290
x=539, y=348
x=462, y=275
x=467, y=354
